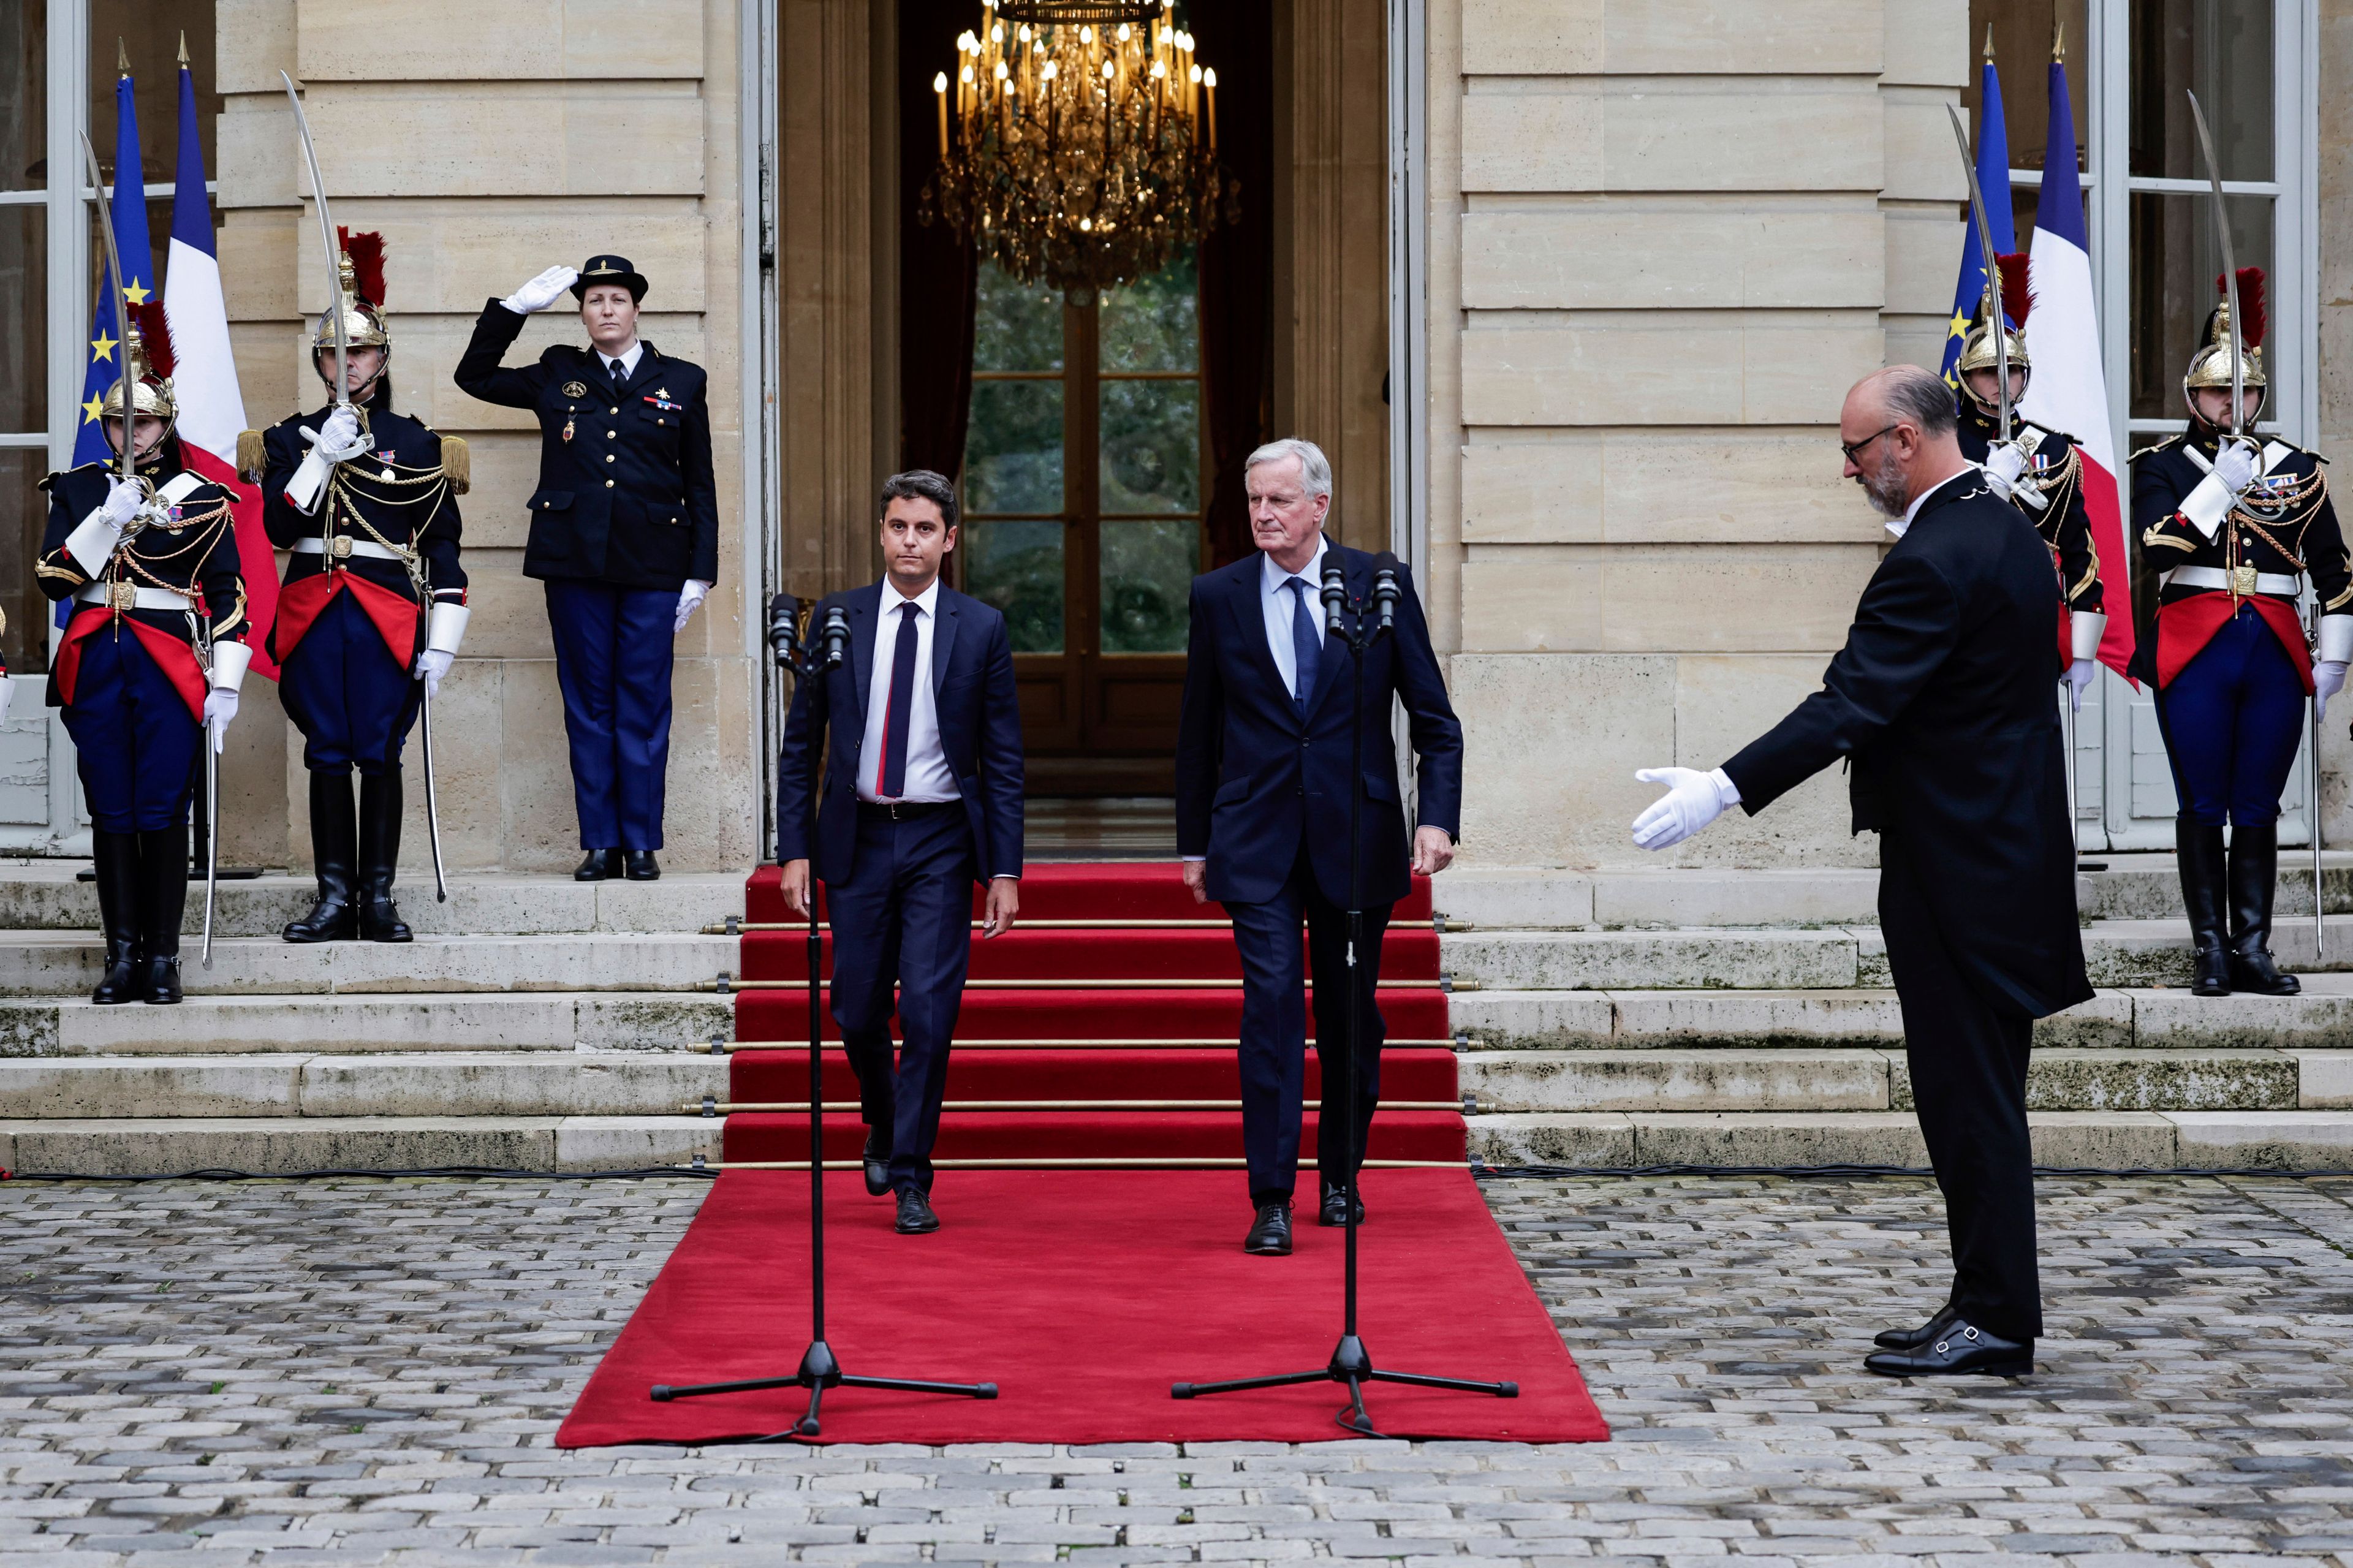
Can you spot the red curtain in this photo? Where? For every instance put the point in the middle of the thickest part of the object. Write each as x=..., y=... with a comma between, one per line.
x=1238, y=263
x=938, y=271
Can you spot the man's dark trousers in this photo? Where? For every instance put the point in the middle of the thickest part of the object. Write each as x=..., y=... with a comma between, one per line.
x=1274, y=1020
x=903, y=919
x=1968, y=1056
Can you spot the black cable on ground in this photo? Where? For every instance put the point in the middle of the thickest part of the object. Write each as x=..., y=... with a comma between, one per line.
x=218, y=1175
x=1544, y=1172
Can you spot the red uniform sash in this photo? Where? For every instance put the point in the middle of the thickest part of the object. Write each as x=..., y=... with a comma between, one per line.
x=2185, y=627
x=175, y=659
x=304, y=600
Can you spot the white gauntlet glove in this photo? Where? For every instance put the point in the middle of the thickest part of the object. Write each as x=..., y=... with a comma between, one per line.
x=93, y=544
x=2234, y=464
x=1693, y=799
x=123, y=500
x=2079, y=675
x=541, y=291
x=2003, y=464
x=2328, y=680
x=690, y=599
x=339, y=437
x=220, y=707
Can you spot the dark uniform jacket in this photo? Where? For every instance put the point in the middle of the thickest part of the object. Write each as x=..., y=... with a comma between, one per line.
x=2055, y=468
x=399, y=495
x=1941, y=701
x=625, y=494
x=196, y=552
x=2284, y=525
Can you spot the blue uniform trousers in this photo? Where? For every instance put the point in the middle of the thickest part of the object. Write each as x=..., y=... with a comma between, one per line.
x=903, y=919
x=613, y=662
x=1274, y=1028
x=134, y=740
x=351, y=698
x=2232, y=720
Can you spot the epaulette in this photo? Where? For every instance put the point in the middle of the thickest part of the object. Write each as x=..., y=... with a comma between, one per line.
x=457, y=464
x=77, y=468
x=252, y=456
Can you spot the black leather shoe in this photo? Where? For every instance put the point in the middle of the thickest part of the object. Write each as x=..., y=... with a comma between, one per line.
x=2198, y=850
x=2255, y=873
x=640, y=866
x=878, y=1166
x=1333, y=1212
x=602, y=865
x=379, y=917
x=1959, y=1351
x=915, y=1216
x=163, y=904
x=1270, y=1234
x=336, y=849
x=160, y=987
x=115, y=858
x=1912, y=1339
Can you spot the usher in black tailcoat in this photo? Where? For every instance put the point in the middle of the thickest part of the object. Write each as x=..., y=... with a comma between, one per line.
x=1944, y=700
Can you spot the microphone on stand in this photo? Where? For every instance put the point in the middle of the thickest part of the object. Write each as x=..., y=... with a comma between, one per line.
x=837, y=636
x=784, y=628
x=1335, y=593
x=1384, y=587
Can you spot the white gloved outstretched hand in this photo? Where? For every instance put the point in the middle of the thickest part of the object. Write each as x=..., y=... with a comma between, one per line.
x=2234, y=464
x=220, y=707
x=690, y=599
x=431, y=666
x=1693, y=799
x=541, y=291
x=2079, y=675
x=2328, y=680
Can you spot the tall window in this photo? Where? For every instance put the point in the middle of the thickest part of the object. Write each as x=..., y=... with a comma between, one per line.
x=24, y=328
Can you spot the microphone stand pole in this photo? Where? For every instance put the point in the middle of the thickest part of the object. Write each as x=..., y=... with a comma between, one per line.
x=819, y=1368
x=1352, y=1363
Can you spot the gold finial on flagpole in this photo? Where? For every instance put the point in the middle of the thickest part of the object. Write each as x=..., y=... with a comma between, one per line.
x=183, y=48
x=121, y=56
x=1988, y=42
x=2058, y=39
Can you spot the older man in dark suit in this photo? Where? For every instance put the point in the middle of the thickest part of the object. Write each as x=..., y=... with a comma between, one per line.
x=1263, y=749
x=1942, y=700
x=922, y=798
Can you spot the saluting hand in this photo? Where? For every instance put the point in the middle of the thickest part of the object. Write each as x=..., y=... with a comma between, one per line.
x=541, y=291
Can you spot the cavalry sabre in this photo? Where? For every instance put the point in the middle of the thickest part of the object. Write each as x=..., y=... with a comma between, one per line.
x=1992, y=269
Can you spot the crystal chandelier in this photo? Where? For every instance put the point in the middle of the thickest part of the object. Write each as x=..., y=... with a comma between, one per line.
x=1073, y=154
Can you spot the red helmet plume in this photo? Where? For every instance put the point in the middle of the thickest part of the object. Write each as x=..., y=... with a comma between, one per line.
x=154, y=337
x=2016, y=296
x=366, y=251
x=2253, y=321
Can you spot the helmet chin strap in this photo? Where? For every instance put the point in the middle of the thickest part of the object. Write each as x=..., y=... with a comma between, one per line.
x=367, y=389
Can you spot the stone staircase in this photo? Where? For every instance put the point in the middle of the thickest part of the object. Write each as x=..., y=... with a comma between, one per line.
x=1713, y=1018
x=1646, y=1018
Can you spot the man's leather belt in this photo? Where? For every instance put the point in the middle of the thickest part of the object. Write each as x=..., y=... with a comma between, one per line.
x=344, y=546
x=2216, y=578
x=131, y=596
x=906, y=810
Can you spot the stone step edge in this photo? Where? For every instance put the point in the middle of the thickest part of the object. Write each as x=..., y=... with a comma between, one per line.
x=284, y=1145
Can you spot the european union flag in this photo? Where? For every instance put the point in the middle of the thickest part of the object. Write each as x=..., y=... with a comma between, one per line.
x=1993, y=179
x=130, y=219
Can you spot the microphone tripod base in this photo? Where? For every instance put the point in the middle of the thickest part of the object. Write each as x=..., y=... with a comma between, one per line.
x=818, y=1372
x=1352, y=1366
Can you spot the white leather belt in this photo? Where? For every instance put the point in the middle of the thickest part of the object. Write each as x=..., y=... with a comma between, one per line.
x=2215, y=577
x=346, y=546
x=132, y=597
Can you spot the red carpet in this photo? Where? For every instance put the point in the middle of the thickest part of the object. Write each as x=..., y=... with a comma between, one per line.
x=1082, y=1295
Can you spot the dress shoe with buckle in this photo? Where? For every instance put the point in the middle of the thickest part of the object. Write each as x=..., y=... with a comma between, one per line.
x=640, y=866
x=915, y=1216
x=1959, y=1351
x=601, y=865
x=1333, y=1210
x=1270, y=1234
x=1912, y=1339
x=878, y=1166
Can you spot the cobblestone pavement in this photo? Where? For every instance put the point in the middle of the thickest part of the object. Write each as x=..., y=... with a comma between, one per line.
x=366, y=1371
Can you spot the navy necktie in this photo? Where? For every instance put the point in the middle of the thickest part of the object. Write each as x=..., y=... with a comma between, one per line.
x=903, y=705
x=1307, y=644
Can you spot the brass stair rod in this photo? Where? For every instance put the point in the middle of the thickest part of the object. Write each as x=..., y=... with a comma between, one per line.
x=1173, y=1162
x=737, y=926
x=726, y=1106
x=719, y=1047
x=726, y=985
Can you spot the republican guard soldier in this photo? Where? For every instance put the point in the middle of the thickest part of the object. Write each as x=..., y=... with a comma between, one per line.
x=151, y=658
x=373, y=607
x=2039, y=470
x=2227, y=524
x=624, y=535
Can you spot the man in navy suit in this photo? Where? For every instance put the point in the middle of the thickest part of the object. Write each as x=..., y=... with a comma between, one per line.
x=921, y=797
x=1264, y=775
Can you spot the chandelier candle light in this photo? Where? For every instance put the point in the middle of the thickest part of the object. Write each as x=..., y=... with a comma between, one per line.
x=1074, y=156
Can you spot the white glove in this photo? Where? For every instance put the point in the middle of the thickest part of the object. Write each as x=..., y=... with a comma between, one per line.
x=541, y=291
x=1693, y=799
x=220, y=707
x=339, y=437
x=123, y=500
x=2234, y=464
x=2079, y=675
x=2328, y=680
x=690, y=599
x=2004, y=462
x=432, y=665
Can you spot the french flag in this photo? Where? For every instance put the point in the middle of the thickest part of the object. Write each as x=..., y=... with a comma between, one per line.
x=2068, y=392
x=212, y=409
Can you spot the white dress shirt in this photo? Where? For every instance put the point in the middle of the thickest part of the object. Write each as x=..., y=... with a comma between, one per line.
x=627, y=361
x=1899, y=526
x=929, y=778
x=1277, y=602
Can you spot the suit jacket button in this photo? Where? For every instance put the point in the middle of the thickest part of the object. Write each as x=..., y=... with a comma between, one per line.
x=608, y=484
x=608, y=456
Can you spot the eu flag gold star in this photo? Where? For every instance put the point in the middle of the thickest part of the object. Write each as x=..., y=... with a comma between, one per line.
x=91, y=410
x=1960, y=326
x=102, y=346
x=137, y=293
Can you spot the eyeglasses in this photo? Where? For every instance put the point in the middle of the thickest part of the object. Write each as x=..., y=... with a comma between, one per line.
x=1854, y=451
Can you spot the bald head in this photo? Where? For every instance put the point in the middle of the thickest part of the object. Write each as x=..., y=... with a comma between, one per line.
x=1901, y=435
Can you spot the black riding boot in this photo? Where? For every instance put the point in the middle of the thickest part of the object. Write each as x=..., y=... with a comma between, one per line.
x=334, y=844
x=380, y=859
x=115, y=856
x=2254, y=869
x=163, y=900
x=2199, y=849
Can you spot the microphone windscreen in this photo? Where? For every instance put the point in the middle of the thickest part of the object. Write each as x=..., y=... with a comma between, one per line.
x=784, y=623
x=1386, y=561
